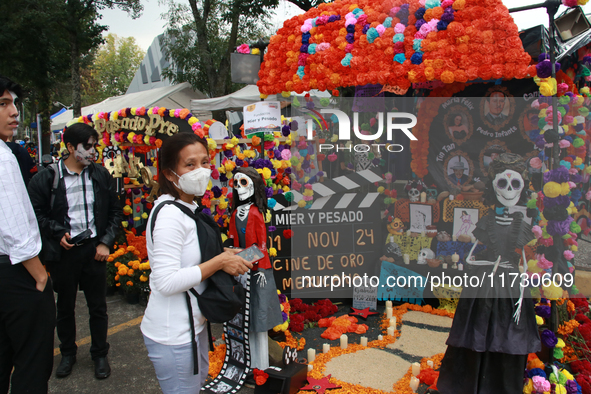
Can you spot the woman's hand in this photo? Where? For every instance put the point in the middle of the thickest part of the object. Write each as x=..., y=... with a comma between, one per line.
x=232, y=264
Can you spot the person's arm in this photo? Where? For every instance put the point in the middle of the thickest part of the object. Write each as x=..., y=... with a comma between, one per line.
x=19, y=229
x=169, y=234
x=114, y=212
x=37, y=271
x=40, y=194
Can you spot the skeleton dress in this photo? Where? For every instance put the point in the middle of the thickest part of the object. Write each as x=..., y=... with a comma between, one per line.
x=486, y=347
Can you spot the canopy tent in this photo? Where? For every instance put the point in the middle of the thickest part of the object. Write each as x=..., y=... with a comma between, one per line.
x=238, y=99
x=177, y=96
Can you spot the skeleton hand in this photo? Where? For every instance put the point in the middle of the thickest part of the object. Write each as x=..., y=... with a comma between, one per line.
x=261, y=280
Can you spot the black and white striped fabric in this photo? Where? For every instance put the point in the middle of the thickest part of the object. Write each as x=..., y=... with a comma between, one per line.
x=338, y=193
x=80, y=196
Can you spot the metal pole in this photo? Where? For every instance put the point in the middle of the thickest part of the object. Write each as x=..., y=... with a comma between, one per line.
x=39, y=139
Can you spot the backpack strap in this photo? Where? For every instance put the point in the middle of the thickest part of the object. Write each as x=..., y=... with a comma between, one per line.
x=196, y=218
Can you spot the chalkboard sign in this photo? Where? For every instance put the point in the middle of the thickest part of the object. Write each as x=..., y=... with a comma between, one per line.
x=335, y=246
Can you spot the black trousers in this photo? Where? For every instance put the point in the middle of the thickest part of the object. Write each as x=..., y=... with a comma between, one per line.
x=27, y=323
x=79, y=268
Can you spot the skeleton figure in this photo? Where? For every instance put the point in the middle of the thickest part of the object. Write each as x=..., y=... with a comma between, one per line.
x=425, y=254
x=508, y=186
x=245, y=188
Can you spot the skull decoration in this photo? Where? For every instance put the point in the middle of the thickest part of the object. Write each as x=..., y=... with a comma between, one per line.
x=414, y=195
x=508, y=186
x=425, y=254
x=392, y=248
x=396, y=226
x=244, y=186
x=431, y=193
x=414, y=189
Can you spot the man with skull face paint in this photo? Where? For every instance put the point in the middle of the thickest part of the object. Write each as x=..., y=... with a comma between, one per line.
x=83, y=203
x=247, y=227
x=494, y=328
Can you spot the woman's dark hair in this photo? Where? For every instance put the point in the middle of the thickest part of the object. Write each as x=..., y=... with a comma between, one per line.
x=260, y=193
x=79, y=133
x=168, y=158
x=7, y=84
x=506, y=161
x=464, y=213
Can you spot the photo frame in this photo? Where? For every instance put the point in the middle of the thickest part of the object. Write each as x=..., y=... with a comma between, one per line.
x=465, y=220
x=421, y=216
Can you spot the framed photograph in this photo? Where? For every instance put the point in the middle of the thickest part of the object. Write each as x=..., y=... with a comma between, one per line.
x=421, y=216
x=465, y=220
x=233, y=373
x=237, y=351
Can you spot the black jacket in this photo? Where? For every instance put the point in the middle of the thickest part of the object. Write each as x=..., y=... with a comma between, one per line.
x=52, y=224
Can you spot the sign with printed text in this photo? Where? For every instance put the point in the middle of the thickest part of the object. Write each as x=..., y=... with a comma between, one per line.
x=365, y=297
x=264, y=116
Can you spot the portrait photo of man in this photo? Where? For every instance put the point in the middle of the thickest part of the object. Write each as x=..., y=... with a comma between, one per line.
x=496, y=113
x=457, y=171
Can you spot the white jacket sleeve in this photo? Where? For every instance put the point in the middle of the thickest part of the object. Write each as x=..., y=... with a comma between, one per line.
x=170, y=234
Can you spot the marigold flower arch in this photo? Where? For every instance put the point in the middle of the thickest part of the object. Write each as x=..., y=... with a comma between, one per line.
x=394, y=42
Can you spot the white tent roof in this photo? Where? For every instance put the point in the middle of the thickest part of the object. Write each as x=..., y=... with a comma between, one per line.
x=177, y=96
x=243, y=97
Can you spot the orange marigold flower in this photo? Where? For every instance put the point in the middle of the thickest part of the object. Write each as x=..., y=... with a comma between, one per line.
x=129, y=283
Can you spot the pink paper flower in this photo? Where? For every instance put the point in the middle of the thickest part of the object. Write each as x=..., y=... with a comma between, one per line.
x=536, y=163
x=540, y=384
x=244, y=48
x=537, y=230
x=544, y=263
x=564, y=143
x=568, y=254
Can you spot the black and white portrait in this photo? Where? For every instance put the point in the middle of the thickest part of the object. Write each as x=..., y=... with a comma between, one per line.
x=233, y=373
x=237, y=351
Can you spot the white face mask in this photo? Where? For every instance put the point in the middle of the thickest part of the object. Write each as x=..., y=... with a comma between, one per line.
x=85, y=156
x=194, y=182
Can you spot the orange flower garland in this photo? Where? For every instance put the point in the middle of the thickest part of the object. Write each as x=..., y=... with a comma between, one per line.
x=315, y=50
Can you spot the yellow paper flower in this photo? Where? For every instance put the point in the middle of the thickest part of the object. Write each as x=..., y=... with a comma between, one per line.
x=143, y=278
x=272, y=252
x=539, y=320
x=552, y=292
x=144, y=215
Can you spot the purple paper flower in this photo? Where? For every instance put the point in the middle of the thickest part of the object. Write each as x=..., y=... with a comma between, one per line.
x=282, y=298
x=543, y=311
x=283, y=314
x=217, y=192
x=549, y=339
x=206, y=211
x=269, y=192
x=272, y=228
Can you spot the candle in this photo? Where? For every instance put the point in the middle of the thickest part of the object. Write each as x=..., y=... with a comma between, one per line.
x=391, y=331
x=455, y=257
x=388, y=312
x=311, y=355
x=422, y=233
x=416, y=369
x=473, y=240
x=430, y=363
x=310, y=367
x=380, y=337
x=344, y=340
x=444, y=266
x=460, y=267
x=406, y=259
x=326, y=348
x=363, y=341
x=454, y=238
x=393, y=321
x=414, y=384
x=388, y=304
x=391, y=238
x=451, y=197
x=408, y=233
x=423, y=197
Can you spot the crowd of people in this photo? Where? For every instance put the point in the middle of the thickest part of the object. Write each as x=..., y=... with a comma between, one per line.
x=65, y=223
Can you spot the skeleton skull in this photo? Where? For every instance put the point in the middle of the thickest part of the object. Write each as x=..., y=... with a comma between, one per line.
x=508, y=186
x=425, y=254
x=414, y=194
x=244, y=186
x=392, y=248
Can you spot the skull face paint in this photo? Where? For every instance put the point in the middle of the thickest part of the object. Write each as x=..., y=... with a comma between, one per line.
x=244, y=186
x=85, y=153
x=508, y=186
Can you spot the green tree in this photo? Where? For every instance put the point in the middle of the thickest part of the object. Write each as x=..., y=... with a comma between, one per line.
x=33, y=55
x=201, y=37
x=84, y=34
x=112, y=70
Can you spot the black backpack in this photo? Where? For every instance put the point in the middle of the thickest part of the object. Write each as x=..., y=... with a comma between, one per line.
x=224, y=296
